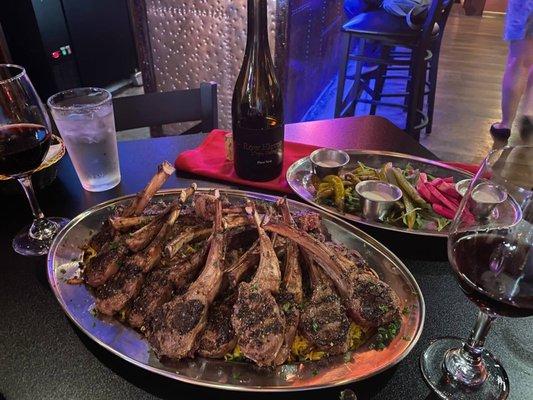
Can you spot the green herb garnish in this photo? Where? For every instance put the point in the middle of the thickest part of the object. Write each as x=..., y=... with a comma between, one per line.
x=347, y=357
x=386, y=334
x=314, y=326
x=383, y=308
x=406, y=310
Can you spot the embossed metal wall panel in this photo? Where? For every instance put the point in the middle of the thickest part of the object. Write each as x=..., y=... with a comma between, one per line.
x=198, y=41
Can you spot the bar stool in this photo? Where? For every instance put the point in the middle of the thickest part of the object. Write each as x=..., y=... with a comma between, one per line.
x=432, y=67
x=388, y=31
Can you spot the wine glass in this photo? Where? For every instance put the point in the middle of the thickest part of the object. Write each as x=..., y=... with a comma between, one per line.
x=490, y=249
x=25, y=136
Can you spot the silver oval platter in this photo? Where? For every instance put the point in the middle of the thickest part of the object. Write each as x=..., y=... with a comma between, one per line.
x=299, y=178
x=78, y=303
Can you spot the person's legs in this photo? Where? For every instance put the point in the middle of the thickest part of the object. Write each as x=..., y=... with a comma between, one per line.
x=515, y=78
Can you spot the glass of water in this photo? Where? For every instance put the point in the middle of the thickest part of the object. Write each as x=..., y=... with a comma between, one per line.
x=84, y=117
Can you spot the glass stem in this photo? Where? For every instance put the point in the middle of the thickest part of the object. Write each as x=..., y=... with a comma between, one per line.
x=27, y=185
x=41, y=228
x=476, y=341
x=466, y=364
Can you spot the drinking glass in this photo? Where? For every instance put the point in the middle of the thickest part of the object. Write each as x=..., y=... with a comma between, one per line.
x=84, y=117
x=489, y=247
x=24, y=141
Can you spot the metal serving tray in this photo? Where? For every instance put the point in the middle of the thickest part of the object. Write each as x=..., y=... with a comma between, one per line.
x=78, y=303
x=299, y=174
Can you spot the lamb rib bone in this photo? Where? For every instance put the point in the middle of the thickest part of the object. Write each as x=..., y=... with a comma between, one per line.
x=370, y=302
x=126, y=284
x=106, y=263
x=257, y=319
x=176, y=327
x=160, y=284
x=164, y=170
x=323, y=321
x=124, y=224
x=291, y=295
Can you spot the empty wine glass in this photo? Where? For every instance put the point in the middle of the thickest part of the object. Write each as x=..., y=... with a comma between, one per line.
x=24, y=141
x=489, y=247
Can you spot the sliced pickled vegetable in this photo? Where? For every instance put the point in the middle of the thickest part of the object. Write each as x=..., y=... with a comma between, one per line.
x=338, y=188
x=408, y=189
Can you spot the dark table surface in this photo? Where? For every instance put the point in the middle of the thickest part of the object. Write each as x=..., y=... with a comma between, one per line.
x=44, y=356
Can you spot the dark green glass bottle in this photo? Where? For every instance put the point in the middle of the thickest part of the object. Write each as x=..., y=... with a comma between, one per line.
x=257, y=105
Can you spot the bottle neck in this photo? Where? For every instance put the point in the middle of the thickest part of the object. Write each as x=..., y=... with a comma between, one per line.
x=257, y=35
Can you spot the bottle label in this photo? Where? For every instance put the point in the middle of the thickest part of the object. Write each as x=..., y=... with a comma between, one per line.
x=259, y=148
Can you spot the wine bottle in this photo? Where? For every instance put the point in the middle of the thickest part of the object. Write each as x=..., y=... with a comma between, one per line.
x=257, y=106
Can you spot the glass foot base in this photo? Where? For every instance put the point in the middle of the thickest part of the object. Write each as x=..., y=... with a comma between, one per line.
x=495, y=386
x=26, y=245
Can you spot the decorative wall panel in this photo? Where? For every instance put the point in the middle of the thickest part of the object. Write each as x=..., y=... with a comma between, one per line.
x=198, y=41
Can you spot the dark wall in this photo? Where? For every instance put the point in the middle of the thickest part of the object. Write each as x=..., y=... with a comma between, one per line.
x=102, y=37
x=312, y=52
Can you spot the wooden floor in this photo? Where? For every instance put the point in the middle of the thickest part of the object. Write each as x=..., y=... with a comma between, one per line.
x=472, y=62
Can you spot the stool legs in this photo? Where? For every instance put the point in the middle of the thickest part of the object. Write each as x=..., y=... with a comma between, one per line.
x=415, y=93
x=380, y=80
x=355, y=90
x=433, y=71
x=343, y=66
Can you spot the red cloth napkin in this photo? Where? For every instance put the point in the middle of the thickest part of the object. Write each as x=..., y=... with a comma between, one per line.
x=209, y=160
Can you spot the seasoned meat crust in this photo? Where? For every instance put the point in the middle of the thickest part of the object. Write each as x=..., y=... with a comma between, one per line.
x=204, y=277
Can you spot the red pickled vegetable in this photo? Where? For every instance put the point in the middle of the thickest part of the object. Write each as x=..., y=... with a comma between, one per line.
x=435, y=182
x=441, y=198
x=423, y=177
x=443, y=211
x=449, y=190
x=448, y=179
x=424, y=192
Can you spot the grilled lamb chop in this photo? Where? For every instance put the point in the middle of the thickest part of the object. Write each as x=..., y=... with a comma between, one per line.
x=110, y=255
x=105, y=264
x=160, y=284
x=323, y=321
x=257, y=319
x=123, y=286
x=105, y=235
x=177, y=325
x=155, y=292
x=291, y=295
x=219, y=337
x=369, y=301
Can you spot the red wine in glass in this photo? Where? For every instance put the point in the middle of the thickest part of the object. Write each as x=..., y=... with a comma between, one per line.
x=495, y=272
x=22, y=147
x=25, y=137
